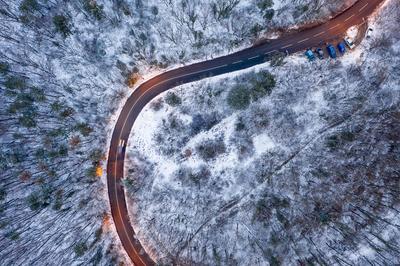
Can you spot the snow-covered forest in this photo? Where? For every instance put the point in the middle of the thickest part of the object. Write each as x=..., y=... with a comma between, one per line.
x=295, y=164
x=246, y=169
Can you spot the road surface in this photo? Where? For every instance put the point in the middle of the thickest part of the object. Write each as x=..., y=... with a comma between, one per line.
x=289, y=43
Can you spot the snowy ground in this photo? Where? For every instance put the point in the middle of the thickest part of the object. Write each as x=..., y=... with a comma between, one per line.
x=64, y=71
x=57, y=93
x=307, y=174
x=159, y=34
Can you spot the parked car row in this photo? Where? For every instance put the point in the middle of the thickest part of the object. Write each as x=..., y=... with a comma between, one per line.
x=341, y=47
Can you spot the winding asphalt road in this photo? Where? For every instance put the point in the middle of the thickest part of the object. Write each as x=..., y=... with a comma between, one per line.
x=246, y=58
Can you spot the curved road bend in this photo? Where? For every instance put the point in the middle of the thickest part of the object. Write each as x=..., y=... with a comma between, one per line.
x=240, y=60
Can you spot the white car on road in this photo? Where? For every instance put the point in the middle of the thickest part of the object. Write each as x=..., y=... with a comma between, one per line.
x=350, y=42
x=369, y=33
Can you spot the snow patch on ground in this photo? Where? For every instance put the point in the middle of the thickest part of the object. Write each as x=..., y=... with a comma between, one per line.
x=263, y=143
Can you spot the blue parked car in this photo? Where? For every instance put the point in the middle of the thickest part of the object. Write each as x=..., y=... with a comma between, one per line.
x=341, y=47
x=331, y=51
x=310, y=55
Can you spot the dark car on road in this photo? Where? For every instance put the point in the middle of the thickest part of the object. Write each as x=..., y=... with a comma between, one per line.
x=310, y=55
x=341, y=47
x=331, y=51
x=320, y=53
